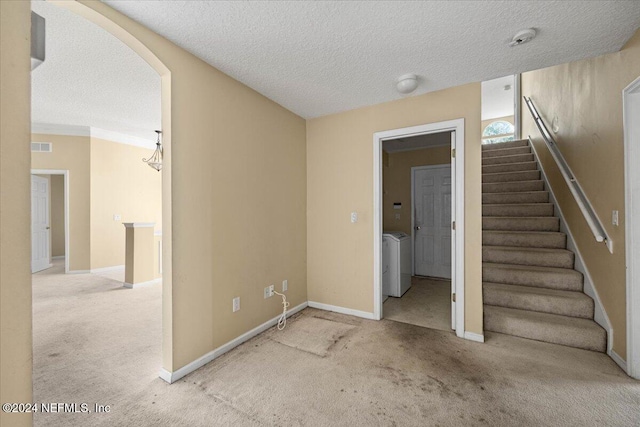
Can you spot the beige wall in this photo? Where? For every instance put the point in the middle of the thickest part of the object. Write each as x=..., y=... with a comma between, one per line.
x=396, y=183
x=57, y=215
x=71, y=153
x=340, y=180
x=586, y=97
x=120, y=184
x=234, y=196
x=15, y=208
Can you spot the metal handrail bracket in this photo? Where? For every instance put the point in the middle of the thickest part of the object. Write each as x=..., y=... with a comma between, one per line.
x=578, y=193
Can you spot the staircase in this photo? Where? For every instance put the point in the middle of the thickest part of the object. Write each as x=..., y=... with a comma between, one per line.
x=530, y=288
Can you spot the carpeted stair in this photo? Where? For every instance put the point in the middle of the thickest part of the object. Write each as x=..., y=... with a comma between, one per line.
x=530, y=288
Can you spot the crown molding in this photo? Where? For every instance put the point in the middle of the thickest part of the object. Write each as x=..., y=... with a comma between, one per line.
x=92, y=132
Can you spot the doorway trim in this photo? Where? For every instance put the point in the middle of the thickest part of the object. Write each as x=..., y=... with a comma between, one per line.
x=457, y=173
x=632, y=230
x=65, y=173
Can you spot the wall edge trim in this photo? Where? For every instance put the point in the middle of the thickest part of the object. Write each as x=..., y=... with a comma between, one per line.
x=472, y=336
x=342, y=310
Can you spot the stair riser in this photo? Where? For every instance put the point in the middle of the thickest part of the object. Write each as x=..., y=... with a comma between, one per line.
x=538, y=209
x=558, y=334
x=511, y=176
x=507, y=159
x=506, y=152
x=530, y=240
x=521, y=224
x=539, y=303
x=511, y=187
x=538, y=279
x=518, y=197
x=502, y=145
x=523, y=257
x=510, y=167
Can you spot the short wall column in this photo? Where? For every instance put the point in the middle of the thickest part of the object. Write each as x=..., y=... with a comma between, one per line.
x=139, y=256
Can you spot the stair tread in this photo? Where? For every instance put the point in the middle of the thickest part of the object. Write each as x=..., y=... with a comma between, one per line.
x=532, y=290
x=517, y=204
x=554, y=328
x=500, y=145
x=535, y=268
x=531, y=249
x=507, y=150
x=509, y=172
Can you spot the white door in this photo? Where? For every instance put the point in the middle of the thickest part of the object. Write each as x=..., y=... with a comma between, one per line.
x=432, y=220
x=40, y=230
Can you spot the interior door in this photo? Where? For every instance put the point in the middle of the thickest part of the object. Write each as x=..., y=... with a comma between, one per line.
x=432, y=220
x=40, y=229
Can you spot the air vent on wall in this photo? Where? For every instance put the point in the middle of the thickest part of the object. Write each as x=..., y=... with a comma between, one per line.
x=43, y=147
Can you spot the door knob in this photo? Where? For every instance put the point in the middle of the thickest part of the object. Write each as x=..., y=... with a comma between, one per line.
x=418, y=227
x=48, y=228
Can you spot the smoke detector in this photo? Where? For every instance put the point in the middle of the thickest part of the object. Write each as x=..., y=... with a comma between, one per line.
x=407, y=83
x=522, y=37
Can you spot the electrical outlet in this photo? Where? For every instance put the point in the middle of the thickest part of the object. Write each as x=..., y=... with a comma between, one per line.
x=285, y=285
x=117, y=217
x=354, y=217
x=268, y=291
x=236, y=304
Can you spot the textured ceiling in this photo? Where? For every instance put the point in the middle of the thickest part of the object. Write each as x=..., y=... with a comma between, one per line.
x=314, y=58
x=496, y=101
x=317, y=58
x=90, y=78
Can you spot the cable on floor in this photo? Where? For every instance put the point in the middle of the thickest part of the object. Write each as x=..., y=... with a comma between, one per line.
x=282, y=321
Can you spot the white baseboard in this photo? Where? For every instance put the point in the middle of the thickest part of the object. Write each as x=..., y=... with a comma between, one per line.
x=619, y=361
x=341, y=310
x=58, y=257
x=79, y=272
x=106, y=269
x=142, y=284
x=472, y=336
x=172, y=377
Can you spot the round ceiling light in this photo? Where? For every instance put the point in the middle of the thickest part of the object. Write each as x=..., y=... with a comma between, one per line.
x=522, y=37
x=407, y=83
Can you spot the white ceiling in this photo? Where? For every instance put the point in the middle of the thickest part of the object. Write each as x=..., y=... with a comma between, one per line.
x=314, y=58
x=91, y=79
x=496, y=100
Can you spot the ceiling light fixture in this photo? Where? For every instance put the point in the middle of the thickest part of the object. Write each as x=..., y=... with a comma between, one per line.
x=155, y=161
x=522, y=37
x=407, y=83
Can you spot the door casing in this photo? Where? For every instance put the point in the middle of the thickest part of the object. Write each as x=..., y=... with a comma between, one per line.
x=457, y=173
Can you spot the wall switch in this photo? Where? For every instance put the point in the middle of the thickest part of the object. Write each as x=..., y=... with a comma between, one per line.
x=117, y=217
x=268, y=291
x=285, y=285
x=354, y=217
x=236, y=304
x=614, y=218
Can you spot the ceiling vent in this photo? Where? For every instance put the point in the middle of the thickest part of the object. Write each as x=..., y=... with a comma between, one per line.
x=522, y=37
x=42, y=147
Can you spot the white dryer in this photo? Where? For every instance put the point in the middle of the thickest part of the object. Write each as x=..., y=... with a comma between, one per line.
x=396, y=263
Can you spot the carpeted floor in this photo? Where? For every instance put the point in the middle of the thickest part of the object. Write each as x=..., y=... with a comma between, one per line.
x=97, y=342
x=427, y=303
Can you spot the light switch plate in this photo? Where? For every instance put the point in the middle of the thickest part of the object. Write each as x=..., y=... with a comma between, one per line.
x=614, y=218
x=117, y=217
x=354, y=217
x=236, y=304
